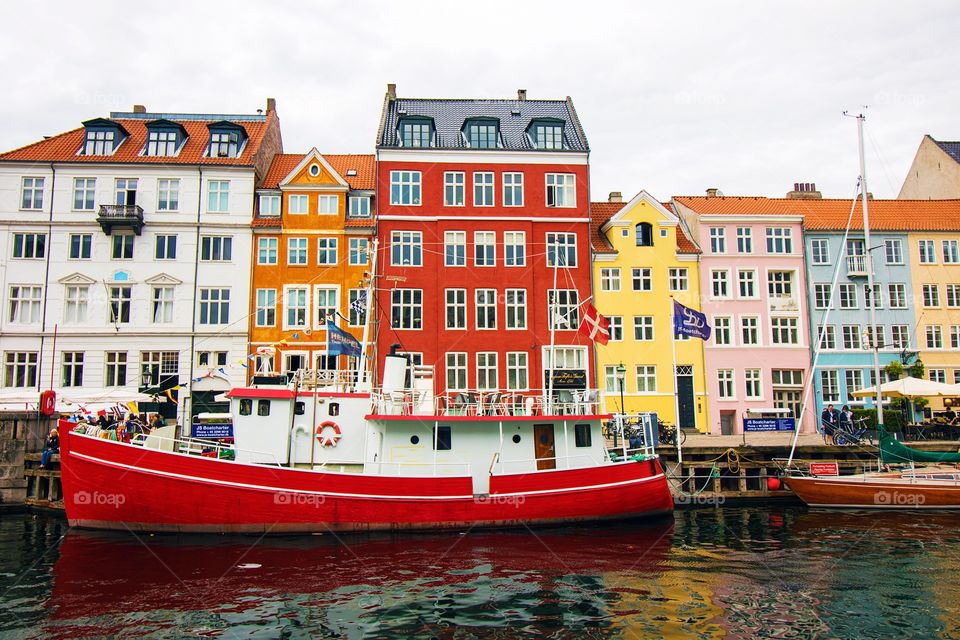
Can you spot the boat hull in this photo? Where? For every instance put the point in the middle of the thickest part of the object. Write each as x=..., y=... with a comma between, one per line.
x=111, y=485
x=876, y=491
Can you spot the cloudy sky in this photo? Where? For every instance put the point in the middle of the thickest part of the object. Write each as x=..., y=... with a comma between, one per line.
x=746, y=97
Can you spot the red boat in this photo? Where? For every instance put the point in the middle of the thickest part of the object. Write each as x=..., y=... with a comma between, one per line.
x=318, y=455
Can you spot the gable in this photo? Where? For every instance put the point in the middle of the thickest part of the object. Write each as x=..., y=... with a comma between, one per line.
x=314, y=171
x=76, y=279
x=163, y=279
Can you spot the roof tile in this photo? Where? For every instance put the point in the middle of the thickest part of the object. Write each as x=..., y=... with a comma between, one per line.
x=362, y=163
x=600, y=212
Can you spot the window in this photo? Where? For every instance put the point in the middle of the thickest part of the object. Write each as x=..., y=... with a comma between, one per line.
x=616, y=328
x=722, y=335
x=561, y=190
x=359, y=207
x=611, y=381
x=876, y=299
x=357, y=317
x=565, y=304
x=297, y=251
x=115, y=368
x=677, y=279
x=442, y=439
x=787, y=377
x=456, y=307
x=406, y=249
x=216, y=358
x=72, y=368
x=25, y=304
x=820, y=251
x=854, y=380
x=328, y=205
x=76, y=301
x=927, y=252
x=747, y=283
x=610, y=279
x=298, y=204
x=453, y=188
x=856, y=247
x=934, y=337
x=893, y=251
x=955, y=336
x=848, y=296
x=828, y=337
x=214, y=306
x=405, y=188
x=646, y=378
x=31, y=193
x=485, y=248
x=483, y=135
x=718, y=240
x=953, y=296
x=483, y=189
x=514, y=248
x=899, y=336
x=931, y=295
x=359, y=251
x=719, y=282
x=644, y=233
x=224, y=144
x=868, y=337
x=938, y=375
x=851, y=336
x=562, y=247
x=99, y=142
x=122, y=246
x=29, y=245
x=120, y=304
x=455, y=248
x=263, y=407
x=821, y=295
x=744, y=240
x=269, y=205
x=267, y=250
x=951, y=255
x=84, y=193
x=753, y=384
x=779, y=240
x=162, y=305
x=486, y=303
x=785, y=330
x=294, y=361
x=296, y=307
x=266, y=314
x=548, y=136
x=218, y=196
x=216, y=248
x=80, y=245
x=642, y=279
x=456, y=371
x=643, y=328
x=780, y=284
x=325, y=302
x=726, y=384
x=517, y=371
x=898, y=295
x=749, y=330
x=416, y=133
x=829, y=386
x=20, y=369
x=487, y=370
x=516, y=303
x=513, y=189
x=168, y=194
x=406, y=308
x=326, y=251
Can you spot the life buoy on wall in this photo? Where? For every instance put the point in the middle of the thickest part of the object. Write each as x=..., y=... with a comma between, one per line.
x=48, y=402
x=328, y=440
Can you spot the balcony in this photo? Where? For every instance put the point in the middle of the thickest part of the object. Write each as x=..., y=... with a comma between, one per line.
x=120, y=216
x=857, y=266
x=783, y=303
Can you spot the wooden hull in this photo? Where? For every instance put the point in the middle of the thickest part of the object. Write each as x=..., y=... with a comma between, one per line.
x=876, y=491
x=112, y=485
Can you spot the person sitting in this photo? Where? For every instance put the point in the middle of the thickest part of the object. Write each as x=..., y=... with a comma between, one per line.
x=50, y=447
x=829, y=421
x=156, y=422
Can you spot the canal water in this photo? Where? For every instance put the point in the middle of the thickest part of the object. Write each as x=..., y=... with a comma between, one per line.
x=708, y=573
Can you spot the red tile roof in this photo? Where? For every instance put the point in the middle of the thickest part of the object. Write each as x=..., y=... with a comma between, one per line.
x=273, y=221
x=600, y=212
x=362, y=163
x=64, y=147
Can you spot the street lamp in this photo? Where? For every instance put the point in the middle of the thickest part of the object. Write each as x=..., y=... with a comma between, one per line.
x=621, y=375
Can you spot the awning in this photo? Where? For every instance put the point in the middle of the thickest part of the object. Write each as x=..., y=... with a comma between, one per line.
x=910, y=388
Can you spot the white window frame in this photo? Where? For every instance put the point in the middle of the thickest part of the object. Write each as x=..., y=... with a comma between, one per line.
x=218, y=196
x=512, y=189
x=455, y=248
x=298, y=247
x=297, y=306
x=514, y=248
x=485, y=308
x=563, y=187
x=454, y=189
x=484, y=189
x=487, y=240
x=328, y=251
x=265, y=301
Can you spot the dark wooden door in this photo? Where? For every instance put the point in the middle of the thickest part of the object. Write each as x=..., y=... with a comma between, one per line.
x=544, y=448
x=688, y=414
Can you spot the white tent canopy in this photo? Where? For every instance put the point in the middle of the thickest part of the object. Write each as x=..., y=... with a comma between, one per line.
x=73, y=400
x=910, y=388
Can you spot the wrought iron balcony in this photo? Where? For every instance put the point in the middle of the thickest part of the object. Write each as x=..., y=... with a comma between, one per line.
x=857, y=266
x=120, y=216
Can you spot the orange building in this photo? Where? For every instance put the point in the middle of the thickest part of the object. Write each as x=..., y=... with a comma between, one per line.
x=313, y=238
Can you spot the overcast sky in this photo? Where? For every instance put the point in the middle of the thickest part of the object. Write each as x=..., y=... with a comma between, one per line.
x=746, y=97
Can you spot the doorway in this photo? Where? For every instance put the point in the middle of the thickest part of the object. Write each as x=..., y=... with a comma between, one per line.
x=686, y=409
x=544, y=447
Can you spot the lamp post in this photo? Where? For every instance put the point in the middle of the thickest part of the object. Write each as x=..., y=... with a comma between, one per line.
x=621, y=375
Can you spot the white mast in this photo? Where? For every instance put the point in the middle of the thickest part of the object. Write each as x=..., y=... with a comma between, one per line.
x=552, y=317
x=676, y=394
x=363, y=374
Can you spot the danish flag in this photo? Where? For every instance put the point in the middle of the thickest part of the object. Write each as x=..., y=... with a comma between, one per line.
x=594, y=325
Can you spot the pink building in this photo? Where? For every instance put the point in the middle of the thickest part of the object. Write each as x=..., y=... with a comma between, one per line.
x=752, y=278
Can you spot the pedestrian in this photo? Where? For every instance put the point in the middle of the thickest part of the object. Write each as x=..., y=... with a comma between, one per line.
x=50, y=447
x=829, y=421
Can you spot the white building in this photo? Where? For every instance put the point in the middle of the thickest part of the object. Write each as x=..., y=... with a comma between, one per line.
x=125, y=255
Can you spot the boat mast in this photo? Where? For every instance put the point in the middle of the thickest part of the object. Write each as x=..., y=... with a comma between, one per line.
x=363, y=375
x=553, y=317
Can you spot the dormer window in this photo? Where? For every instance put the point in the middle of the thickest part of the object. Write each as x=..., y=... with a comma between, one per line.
x=226, y=139
x=546, y=134
x=102, y=137
x=163, y=138
x=482, y=134
x=416, y=132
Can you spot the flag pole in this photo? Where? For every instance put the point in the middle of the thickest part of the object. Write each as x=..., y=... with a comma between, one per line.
x=553, y=332
x=676, y=394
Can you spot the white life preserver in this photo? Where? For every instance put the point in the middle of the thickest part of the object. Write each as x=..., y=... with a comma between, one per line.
x=328, y=440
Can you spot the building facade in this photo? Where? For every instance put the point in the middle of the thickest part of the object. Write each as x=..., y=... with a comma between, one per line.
x=126, y=256
x=934, y=173
x=483, y=221
x=643, y=259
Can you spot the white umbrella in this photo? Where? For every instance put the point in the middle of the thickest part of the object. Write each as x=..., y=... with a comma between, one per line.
x=910, y=388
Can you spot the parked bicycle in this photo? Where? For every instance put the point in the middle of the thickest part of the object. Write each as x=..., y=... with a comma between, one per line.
x=668, y=434
x=851, y=433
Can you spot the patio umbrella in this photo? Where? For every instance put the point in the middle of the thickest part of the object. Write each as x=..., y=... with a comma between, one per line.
x=910, y=388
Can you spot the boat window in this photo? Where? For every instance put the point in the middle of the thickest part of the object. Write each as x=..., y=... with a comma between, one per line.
x=414, y=439
x=334, y=409
x=516, y=438
x=442, y=439
x=582, y=434
x=263, y=407
x=246, y=407
x=299, y=408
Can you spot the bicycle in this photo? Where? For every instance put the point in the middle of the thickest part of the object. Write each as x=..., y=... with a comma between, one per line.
x=669, y=434
x=851, y=433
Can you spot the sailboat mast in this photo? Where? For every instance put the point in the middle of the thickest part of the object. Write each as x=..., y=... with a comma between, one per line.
x=868, y=250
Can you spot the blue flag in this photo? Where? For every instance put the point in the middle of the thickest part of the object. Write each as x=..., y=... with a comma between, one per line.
x=341, y=343
x=687, y=322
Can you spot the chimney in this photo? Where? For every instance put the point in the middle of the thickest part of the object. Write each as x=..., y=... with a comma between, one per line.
x=391, y=91
x=804, y=191
x=139, y=108
x=521, y=95
x=713, y=192
x=271, y=104
x=615, y=196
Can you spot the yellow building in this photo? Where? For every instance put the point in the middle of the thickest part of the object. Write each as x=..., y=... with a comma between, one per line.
x=643, y=257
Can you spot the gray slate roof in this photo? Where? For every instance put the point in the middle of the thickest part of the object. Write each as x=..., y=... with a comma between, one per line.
x=450, y=114
x=952, y=149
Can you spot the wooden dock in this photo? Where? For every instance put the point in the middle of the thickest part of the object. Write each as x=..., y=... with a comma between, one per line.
x=43, y=485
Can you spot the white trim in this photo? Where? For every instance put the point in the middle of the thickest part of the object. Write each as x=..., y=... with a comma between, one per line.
x=721, y=217
x=483, y=218
x=312, y=155
x=486, y=156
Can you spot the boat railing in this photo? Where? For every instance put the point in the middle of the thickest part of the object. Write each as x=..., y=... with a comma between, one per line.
x=484, y=402
x=426, y=468
x=524, y=465
x=636, y=434
x=338, y=381
x=199, y=447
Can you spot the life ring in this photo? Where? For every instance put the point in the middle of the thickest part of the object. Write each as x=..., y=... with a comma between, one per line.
x=331, y=440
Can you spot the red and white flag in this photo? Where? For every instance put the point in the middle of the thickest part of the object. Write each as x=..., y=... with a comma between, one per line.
x=594, y=325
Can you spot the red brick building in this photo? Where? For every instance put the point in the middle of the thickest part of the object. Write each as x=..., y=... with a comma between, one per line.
x=483, y=215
